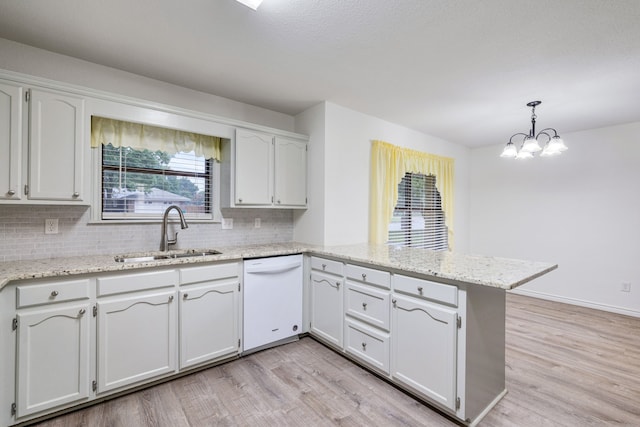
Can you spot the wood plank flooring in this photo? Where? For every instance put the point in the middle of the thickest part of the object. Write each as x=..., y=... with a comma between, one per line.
x=566, y=366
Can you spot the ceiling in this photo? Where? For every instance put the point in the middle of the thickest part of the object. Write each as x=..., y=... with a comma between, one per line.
x=460, y=70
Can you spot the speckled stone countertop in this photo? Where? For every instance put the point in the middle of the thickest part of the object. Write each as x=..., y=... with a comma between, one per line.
x=473, y=269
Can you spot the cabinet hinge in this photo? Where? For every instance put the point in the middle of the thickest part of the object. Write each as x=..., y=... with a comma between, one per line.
x=459, y=322
x=271, y=199
x=457, y=403
x=238, y=342
x=95, y=310
x=13, y=409
x=26, y=189
x=94, y=385
x=14, y=323
x=238, y=286
x=27, y=96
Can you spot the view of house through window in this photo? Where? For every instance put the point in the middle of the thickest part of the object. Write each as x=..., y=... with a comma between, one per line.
x=143, y=183
x=418, y=218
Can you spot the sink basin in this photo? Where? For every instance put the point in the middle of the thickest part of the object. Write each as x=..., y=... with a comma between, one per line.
x=187, y=253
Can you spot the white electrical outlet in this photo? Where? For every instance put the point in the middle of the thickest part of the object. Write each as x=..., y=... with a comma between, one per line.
x=51, y=226
x=227, y=223
x=257, y=223
x=626, y=287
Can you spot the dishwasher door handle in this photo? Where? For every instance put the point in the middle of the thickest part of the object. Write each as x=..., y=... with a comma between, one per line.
x=278, y=268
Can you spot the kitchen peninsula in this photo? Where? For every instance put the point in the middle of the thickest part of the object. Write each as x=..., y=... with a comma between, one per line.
x=432, y=323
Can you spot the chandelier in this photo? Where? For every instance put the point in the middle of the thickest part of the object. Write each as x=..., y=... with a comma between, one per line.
x=531, y=142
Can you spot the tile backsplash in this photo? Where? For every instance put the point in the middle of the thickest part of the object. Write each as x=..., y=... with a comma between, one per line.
x=22, y=232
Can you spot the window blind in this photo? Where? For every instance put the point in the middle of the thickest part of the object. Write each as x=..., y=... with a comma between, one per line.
x=418, y=219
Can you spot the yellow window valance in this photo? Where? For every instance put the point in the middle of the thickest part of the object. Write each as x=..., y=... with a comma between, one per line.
x=389, y=164
x=139, y=137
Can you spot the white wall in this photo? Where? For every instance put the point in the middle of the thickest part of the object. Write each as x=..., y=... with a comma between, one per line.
x=41, y=63
x=347, y=158
x=580, y=210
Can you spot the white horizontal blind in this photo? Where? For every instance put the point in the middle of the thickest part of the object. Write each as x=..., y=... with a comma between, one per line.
x=142, y=184
x=418, y=218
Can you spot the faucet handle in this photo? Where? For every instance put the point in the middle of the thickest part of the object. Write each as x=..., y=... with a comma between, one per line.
x=172, y=241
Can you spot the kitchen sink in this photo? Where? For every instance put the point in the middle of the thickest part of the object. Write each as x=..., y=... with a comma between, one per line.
x=187, y=253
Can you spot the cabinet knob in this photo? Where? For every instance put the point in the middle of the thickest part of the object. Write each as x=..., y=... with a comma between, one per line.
x=338, y=285
x=364, y=276
x=324, y=266
x=170, y=298
x=81, y=312
x=278, y=202
x=393, y=301
x=364, y=305
x=185, y=296
x=364, y=345
x=76, y=195
x=11, y=192
x=54, y=294
x=420, y=289
x=239, y=200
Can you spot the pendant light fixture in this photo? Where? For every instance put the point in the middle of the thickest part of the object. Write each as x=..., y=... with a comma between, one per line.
x=531, y=142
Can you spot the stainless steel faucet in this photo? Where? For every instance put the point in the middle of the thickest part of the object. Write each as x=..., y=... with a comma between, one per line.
x=165, y=242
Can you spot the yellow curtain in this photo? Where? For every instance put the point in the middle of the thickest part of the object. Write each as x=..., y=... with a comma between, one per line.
x=389, y=164
x=140, y=137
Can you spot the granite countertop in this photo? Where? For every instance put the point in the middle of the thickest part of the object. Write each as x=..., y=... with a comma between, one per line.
x=473, y=269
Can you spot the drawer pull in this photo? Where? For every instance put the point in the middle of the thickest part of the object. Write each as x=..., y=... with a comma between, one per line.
x=76, y=195
x=54, y=294
x=364, y=277
x=171, y=298
x=185, y=296
x=239, y=200
x=364, y=346
x=324, y=266
x=420, y=289
x=11, y=192
x=81, y=312
x=337, y=285
x=393, y=301
x=364, y=305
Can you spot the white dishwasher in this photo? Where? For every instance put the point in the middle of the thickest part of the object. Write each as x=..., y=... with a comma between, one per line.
x=272, y=309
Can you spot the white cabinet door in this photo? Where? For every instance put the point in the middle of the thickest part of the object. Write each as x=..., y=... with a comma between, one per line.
x=326, y=307
x=136, y=339
x=424, y=350
x=10, y=141
x=55, y=146
x=253, y=168
x=52, y=358
x=209, y=322
x=290, y=172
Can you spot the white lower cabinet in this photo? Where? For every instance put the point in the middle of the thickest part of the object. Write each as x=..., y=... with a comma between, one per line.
x=370, y=345
x=326, y=307
x=209, y=316
x=424, y=348
x=52, y=357
x=136, y=339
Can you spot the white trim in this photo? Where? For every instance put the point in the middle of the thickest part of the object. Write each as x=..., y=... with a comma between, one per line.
x=578, y=302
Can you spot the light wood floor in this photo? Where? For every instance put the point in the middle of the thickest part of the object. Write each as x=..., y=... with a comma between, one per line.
x=566, y=366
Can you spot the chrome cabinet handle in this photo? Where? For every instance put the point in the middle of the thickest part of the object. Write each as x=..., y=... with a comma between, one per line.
x=364, y=276
x=364, y=345
x=393, y=301
x=338, y=285
x=420, y=289
x=81, y=312
x=185, y=296
x=171, y=298
x=324, y=266
x=76, y=194
x=364, y=305
x=11, y=192
x=54, y=294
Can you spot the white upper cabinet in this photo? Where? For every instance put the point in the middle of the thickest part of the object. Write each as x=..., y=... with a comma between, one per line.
x=10, y=141
x=261, y=170
x=253, y=168
x=42, y=132
x=55, y=146
x=290, y=172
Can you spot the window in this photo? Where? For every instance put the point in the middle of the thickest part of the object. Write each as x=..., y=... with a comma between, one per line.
x=145, y=169
x=143, y=183
x=418, y=219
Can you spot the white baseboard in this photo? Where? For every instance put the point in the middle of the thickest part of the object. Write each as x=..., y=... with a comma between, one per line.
x=578, y=302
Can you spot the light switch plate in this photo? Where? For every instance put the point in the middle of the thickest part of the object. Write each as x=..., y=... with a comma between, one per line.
x=227, y=223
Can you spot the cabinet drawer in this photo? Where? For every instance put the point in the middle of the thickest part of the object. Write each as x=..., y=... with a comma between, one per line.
x=136, y=282
x=208, y=272
x=367, y=344
x=47, y=293
x=369, y=276
x=368, y=304
x=421, y=288
x=327, y=265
